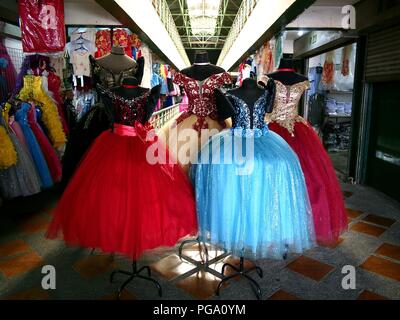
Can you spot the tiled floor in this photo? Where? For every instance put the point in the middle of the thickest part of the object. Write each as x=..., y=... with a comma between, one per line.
x=372, y=246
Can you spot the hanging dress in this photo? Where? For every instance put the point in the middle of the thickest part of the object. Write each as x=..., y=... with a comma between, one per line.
x=52, y=160
x=34, y=148
x=251, y=195
x=324, y=191
x=21, y=179
x=117, y=200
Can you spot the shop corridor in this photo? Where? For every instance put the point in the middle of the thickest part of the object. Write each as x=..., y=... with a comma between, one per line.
x=372, y=246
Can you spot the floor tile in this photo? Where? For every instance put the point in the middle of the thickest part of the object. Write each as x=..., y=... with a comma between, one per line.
x=334, y=245
x=200, y=285
x=94, y=265
x=171, y=267
x=353, y=214
x=126, y=295
x=382, y=221
x=21, y=264
x=368, y=295
x=235, y=261
x=367, y=229
x=35, y=225
x=283, y=295
x=310, y=268
x=389, y=250
x=32, y=294
x=13, y=248
x=382, y=267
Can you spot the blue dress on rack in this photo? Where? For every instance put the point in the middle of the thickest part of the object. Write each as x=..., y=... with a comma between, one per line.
x=254, y=202
x=34, y=148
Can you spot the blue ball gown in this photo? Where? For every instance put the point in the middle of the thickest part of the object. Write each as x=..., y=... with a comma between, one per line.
x=254, y=202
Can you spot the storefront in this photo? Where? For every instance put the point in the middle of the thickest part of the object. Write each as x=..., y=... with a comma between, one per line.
x=329, y=61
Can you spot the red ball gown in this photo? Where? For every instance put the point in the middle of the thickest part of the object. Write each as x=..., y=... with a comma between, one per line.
x=324, y=191
x=118, y=201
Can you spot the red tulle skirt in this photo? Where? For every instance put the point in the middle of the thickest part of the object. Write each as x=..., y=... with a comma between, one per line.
x=117, y=201
x=323, y=187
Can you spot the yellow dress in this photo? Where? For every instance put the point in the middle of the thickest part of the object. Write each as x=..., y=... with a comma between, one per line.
x=32, y=90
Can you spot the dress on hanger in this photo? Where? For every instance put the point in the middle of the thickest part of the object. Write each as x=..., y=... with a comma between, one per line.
x=22, y=178
x=33, y=89
x=325, y=194
x=117, y=199
x=255, y=205
x=34, y=148
x=52, y=160
x=201, y=112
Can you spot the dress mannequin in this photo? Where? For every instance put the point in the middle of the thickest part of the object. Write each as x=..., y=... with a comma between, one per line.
x=130, y=89
x=286, y=73
x=110, y=69
x=202, y=68
x=324, y=191
x=200, y=80
x=249, y=92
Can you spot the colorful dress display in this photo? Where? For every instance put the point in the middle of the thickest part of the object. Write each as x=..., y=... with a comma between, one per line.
x=256, y=206
x=34, y=148
x=20, y=179
x=201, y=113
x=325, y=194
x=115, y=201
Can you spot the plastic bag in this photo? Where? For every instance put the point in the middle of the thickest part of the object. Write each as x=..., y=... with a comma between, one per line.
x=42, y=25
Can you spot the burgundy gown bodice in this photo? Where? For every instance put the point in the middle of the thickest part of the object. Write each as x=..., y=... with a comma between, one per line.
x=201, y=99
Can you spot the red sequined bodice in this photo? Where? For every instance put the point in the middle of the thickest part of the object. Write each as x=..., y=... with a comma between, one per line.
x=201, y=97
x=127, y=111
x=201, y=93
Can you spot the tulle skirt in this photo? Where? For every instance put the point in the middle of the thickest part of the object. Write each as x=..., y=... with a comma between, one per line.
x=118, y=202
x=22, y=178
x=256, y=206
x=324, y=191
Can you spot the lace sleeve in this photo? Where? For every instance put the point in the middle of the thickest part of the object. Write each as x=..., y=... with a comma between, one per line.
x=179, y=79
x=225, y=78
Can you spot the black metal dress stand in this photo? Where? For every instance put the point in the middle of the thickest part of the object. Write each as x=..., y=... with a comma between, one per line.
x=241, y=272
x=135, y=273
x=201, y=265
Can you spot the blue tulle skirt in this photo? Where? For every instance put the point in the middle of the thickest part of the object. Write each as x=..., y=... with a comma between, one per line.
x=254, y=202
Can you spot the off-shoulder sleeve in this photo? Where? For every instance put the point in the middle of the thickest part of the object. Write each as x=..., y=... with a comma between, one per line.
x=225, y=78
x=179, y=79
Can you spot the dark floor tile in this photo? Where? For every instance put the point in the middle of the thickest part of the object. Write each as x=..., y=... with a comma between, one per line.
x=382, y=267
x=21, y=264
x=283, y=295
x=94, y=265
x=353, y=214
x=310, y=268
x=32, y=294
x=368, y=295
x=382, y=221
x=13, y=248
x=367, y=229
x=389, y=250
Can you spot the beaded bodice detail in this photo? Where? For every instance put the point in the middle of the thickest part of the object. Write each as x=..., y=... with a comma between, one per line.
x=127, y=111
x=248, y=118
x=285, y=111
x=201, y=93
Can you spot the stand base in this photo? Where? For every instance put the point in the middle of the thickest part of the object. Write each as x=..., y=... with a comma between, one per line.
x=135, y=273
x=241, y=272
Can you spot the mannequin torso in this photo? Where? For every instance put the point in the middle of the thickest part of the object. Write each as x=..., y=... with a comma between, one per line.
x=286, y=73
x=202, y=68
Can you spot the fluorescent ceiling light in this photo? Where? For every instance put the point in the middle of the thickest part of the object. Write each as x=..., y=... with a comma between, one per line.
x=203, y=15
x=260, y=20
